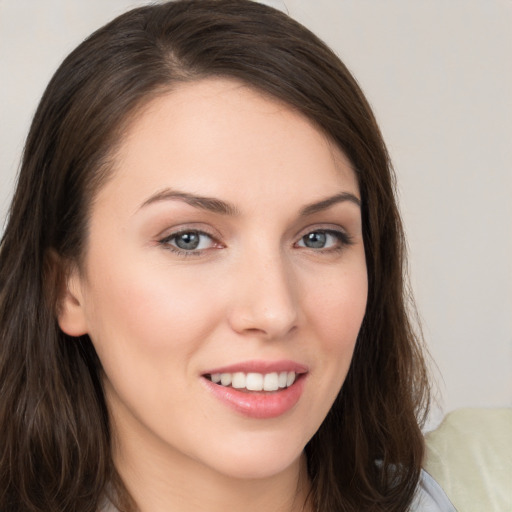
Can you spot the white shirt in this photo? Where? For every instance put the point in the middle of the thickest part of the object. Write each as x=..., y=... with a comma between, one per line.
x=430, y=497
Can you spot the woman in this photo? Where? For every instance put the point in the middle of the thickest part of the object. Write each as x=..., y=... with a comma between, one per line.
x=202, y=297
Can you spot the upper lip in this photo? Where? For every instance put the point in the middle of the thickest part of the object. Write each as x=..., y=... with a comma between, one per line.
x=260, y=366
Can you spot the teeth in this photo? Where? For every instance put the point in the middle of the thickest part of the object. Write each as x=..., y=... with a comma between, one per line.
x=225, y=379
x=238, y=381
x=271, y=382
x=255, y=381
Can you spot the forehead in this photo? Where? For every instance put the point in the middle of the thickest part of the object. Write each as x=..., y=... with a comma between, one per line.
x=220, y=134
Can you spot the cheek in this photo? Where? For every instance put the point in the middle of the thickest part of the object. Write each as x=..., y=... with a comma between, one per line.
x=335, y=312
x=147, y=323
x=149, y=311
x=336, y=309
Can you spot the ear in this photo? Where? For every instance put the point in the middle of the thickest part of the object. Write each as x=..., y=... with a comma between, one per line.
x=70, y=306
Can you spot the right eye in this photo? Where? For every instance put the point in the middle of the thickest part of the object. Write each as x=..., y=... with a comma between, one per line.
x=189, y=241
x=325, y=240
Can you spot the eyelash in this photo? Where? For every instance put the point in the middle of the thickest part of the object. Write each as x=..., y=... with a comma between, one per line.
x=166, y=242
x=343, y=238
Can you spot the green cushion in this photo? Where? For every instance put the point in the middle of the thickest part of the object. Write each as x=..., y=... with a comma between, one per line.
x=470, y=456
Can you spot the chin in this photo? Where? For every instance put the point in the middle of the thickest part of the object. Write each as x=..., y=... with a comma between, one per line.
x=259, y=460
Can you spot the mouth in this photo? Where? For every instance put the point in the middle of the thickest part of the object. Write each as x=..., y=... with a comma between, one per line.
x=253, y=381
x=258, y=390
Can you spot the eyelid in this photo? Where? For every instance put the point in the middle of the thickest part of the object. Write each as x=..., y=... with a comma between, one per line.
x=184, y=227
x=327, y=228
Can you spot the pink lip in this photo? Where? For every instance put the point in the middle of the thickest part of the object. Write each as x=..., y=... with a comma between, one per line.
x=260, y=367
x=259, y=404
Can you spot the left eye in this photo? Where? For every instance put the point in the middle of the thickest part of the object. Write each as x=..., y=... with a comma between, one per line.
x=189, y=241
x=321, y=239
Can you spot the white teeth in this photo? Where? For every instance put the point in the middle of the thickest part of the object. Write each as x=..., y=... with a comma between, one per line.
x=225, y=379
x=238, y=380
x=271, y=382
x=255, y=381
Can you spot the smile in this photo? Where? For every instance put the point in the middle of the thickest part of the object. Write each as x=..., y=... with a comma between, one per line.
x=254, y=381
x=258, y=389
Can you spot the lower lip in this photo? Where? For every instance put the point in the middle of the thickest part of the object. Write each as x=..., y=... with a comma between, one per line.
x=260, y=405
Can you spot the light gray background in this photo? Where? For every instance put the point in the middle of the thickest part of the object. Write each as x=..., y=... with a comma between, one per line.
x=439, y=76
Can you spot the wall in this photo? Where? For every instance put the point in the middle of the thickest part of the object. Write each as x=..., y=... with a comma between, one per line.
x=439, y=76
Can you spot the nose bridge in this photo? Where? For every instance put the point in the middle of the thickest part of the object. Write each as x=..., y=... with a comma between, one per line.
x=265, y=300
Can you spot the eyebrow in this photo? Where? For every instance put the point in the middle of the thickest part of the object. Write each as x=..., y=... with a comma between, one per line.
x=326, y=203
x=205, y=203
x=224, y=208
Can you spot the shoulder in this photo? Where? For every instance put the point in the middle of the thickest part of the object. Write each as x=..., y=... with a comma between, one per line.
x=107, y=506
x=430, y=497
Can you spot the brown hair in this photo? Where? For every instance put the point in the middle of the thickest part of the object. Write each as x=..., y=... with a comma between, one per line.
x=55, y=453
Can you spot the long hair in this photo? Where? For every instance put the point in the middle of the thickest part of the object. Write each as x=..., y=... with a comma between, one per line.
x=55, y=452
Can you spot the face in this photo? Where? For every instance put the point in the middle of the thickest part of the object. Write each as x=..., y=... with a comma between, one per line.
x=224, y=282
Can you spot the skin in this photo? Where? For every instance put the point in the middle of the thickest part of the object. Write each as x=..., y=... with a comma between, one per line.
x=253, y=290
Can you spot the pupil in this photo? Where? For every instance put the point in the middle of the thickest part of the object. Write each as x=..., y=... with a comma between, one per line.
x=188, y=241
x=315, y=240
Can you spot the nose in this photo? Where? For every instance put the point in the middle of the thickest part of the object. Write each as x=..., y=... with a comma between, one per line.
x=264, y=301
